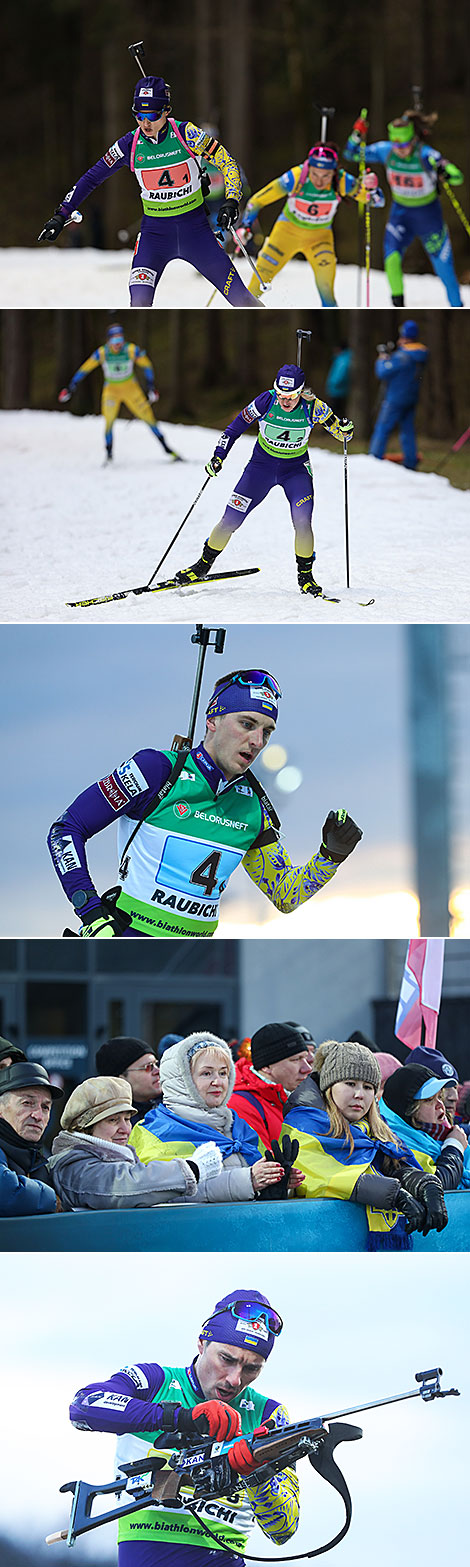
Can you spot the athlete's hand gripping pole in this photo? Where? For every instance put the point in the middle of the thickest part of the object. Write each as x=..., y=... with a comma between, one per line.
x=265, y=287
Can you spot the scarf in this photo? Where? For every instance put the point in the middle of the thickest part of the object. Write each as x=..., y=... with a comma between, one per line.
x=24, y=1157
x=333, y=1169
x=422, y=1143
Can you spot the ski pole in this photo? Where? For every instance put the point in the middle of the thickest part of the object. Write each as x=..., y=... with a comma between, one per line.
x=211, y=297
x=455, y=448
x=346, y=506
x=456, y=205
x=367, y=237
x=237, y=241
x=300, y=334
x=175, y=535
x=360, y=211
x=136, y=50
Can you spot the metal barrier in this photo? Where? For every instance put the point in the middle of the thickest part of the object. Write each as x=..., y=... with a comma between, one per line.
x=299, y=1225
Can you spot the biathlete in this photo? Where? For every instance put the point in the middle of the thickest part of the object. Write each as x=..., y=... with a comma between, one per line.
x=314, y=190
x=414, y=170
x=212, y=1396
x=285, y=416
x=186, y=821
x=164, y=153
x=117, y=359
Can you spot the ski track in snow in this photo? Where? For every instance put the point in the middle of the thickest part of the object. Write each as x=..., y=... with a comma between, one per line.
x=57, y=276
x=75, y=528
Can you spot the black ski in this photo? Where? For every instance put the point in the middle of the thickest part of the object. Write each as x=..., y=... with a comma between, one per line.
x=162, y=587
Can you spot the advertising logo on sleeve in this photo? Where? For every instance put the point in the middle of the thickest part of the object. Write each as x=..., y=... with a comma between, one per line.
x=113, y=792
x=131, y=778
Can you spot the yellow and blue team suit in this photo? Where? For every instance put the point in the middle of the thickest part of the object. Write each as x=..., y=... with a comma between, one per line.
x=305, y=225
x=120, y=385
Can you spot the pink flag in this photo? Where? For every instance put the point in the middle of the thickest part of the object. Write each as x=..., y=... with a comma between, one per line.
x=420, y=994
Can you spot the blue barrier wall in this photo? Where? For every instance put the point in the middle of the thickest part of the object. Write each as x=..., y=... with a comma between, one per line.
x=275, y=1226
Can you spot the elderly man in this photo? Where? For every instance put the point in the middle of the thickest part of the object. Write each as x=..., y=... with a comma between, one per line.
x=137, y=1062
x=280, y=1060
x=25, y=1104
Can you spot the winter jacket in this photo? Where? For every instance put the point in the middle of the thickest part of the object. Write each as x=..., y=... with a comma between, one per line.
x=20, y=1195
x=259, y=1103
x=90, y=1172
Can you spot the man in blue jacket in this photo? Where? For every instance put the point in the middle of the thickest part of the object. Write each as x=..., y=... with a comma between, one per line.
x=401, y=372
x=25, y=1105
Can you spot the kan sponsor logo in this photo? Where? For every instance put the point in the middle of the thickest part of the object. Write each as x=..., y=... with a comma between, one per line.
x=181, y=809
x=112, y=791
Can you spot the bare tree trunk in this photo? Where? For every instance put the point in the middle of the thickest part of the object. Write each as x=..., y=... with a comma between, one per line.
x=204, y=54
x=178, y=401
x=237, y=70
x=17, y=357
x=213, y=368
x=439, y=403
x=360, y=400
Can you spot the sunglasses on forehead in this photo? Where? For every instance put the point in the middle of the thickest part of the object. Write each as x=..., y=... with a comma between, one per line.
x=250, y=1314
x=248, y=677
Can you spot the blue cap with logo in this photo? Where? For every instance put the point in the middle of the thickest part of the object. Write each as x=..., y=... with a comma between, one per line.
x=245, y=1319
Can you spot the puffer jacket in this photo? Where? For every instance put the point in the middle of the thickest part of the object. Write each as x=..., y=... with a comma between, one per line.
x=259, y=1103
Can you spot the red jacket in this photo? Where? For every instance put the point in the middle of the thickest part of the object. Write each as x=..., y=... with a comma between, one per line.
x=259, y=1103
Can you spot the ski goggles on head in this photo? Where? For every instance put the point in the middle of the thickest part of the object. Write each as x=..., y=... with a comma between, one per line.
x=400, y=135
x=323, y=157
x=258, y=678
x=250, y=1314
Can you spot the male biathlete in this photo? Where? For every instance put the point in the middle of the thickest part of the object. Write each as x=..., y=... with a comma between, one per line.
x=314, y=190
x=185, y=821
x=285, y=416
x=120, y=385
x=213, y=1396
x=164, y=153
x=414, y=170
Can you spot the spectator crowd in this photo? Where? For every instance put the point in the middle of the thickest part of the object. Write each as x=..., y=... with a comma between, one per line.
x=197, y=1120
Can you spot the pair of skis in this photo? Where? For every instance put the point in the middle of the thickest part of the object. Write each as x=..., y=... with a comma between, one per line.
x=172, y=582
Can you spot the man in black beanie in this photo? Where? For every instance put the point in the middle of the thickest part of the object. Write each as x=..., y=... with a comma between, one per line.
x=280, y=1060
x=26, y=1096
x=137, y=1062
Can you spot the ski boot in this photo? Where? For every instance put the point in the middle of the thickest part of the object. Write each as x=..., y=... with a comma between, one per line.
x=398, y=299
x=305, y=580
x=200, y=569
x=109, y=454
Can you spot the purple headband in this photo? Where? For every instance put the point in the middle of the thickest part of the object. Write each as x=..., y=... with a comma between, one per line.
x=242, y=699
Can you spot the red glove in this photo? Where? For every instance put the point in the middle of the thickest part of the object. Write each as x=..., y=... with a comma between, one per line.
x=64, y=395
x=361, y=126
x=220, y=1421
x=370, y=181
x=241, y=1458
x=153, y=395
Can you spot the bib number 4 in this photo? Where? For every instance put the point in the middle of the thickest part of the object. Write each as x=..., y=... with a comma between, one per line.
x=205, y=874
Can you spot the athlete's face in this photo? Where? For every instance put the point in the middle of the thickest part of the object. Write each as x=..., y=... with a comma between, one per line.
x=224, y=1371
x=404, y=148
x=288, y=400
x=27, y=1110
x=353, y=1097
x=322, y=179
x=235, y=740
x=114, y=1128
x=115, y=344
x=151, y=128
x=210, y=1075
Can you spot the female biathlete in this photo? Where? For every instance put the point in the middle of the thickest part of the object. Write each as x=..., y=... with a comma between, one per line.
x=314, y=190
x=414, y=170
x=164, y=155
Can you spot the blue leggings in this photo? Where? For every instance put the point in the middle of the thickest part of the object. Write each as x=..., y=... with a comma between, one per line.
x=426, y=224
x=186, y=238
x=262, y=473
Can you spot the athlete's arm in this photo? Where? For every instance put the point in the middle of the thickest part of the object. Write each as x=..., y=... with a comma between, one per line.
x=205, y=145
x=241, y=424
x=96, y=358
x=117, y=157
x=376, y=151
x=287, y=885
x=440, y=165
x=320, y=413
x=276, y=1503
x=121, y=1404
x=125, y=792
x=142, y=360
x=348, y=185
x=277, y=189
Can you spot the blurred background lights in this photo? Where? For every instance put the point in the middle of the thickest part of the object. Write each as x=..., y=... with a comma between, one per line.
x=274, y=757
x=289, y=779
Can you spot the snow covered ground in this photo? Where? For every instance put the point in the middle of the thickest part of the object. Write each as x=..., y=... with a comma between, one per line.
x=53, y=275
x=74, y=528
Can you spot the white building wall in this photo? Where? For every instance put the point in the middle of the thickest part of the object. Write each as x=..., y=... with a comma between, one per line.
x=328, y=985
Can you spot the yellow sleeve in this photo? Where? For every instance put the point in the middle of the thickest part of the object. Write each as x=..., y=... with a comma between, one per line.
x=140, y=357
x=202, y=143
x=276, y=1503
x=276, y=191
x=96, y=358
x=322, y=414
x=287, y=885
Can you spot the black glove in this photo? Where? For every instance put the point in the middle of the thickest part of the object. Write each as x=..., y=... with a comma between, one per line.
x=107, y=920
x=428, y=1190
x=339, y=836
x=228, y=212
x=53, y=227
x=413, y=1211
x=284, y=1153
x=209, y=1418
